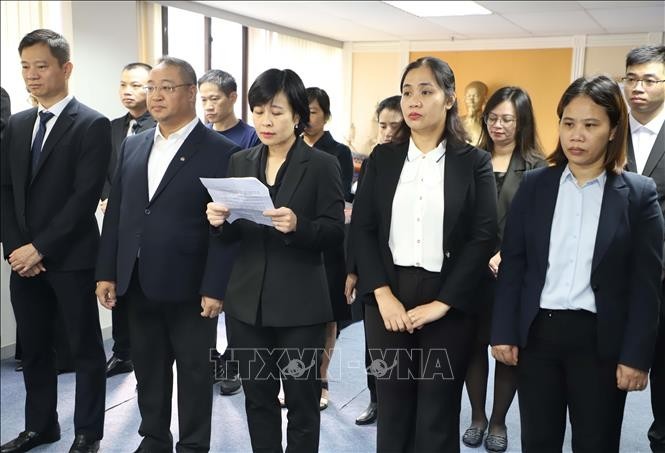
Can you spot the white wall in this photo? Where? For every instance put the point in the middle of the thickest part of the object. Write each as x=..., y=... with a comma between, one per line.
x=104, y=38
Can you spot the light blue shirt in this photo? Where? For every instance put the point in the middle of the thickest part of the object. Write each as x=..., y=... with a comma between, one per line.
x=572, y=242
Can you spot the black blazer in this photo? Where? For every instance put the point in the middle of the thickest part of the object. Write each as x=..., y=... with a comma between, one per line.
x=56, y=209
x=118, y=135
x=655, y=165
x=281, y=277
x=342, y=153
x=469, y=224
x=171, y=229
x=625, y=275
x=511, y=183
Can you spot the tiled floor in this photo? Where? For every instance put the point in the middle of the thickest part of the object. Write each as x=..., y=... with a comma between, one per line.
x=339, y=434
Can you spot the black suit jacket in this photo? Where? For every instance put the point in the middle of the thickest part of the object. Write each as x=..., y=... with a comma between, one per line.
x=118, y=135
x=655, y=165
x=281, y=277
x=170, y=230
x=342, y=153
x=469, y=222
x=56, y=209
x=516, y=169
x=625, y=274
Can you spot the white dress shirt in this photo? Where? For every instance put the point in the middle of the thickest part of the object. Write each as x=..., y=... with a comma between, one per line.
x=163, y=152
x=56, y=109
x=644, y=137
x=572, y=243
x=416, y=225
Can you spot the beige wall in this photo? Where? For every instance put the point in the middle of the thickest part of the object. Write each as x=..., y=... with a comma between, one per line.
x=375, y=77
x=606, y=60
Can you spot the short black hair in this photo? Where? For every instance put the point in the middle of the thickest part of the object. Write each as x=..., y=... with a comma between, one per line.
x=269, y=83
x=130, y=66
x=319, y=95
x=186, y=71
x=390, y=103
x=646, y=54
x=56, y=43
x=224, y=81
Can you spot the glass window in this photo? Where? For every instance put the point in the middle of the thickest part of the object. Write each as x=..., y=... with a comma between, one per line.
x=226, y=53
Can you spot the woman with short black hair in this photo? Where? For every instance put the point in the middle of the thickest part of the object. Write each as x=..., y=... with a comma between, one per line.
x=277, y=301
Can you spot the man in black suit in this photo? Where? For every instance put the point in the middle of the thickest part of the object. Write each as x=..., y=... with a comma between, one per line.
x=137, y=119
x=53, y=168
x=644, y=88
x=152, y=256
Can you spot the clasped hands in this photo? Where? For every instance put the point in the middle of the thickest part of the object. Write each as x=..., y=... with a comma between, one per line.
x=283, y=219
x=106, y=295
x=26, y=261
x=397, y=319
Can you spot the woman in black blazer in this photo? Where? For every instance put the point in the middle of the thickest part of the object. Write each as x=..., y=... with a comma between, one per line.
x=316, y=137
x=509, y=133
x=577, y=297
x=425, y=228
x=277, y=301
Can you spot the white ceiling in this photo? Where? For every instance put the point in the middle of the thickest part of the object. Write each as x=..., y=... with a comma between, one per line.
x=377, y=21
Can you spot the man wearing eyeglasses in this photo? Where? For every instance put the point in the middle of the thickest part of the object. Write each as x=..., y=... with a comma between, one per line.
x=137, y=119
x=644, y=88
x=153, y=253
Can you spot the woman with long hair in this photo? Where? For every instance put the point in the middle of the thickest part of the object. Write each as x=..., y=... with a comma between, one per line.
x=425, y=228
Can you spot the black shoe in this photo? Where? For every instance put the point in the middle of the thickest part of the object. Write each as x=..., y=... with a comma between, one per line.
x=229, y=386
x=28, y=440
x=116, y=366
x=228, y=378
x=368, y=416
x=84, y=444
x=19, y=366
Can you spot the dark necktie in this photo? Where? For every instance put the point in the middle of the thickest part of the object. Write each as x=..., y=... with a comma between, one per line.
x=132, y=127
x=36, y=150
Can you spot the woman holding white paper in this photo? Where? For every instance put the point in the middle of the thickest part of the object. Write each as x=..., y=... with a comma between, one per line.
x=277, y=301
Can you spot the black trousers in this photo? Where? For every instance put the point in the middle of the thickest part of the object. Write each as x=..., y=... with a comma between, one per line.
x=263, y=355
x=63, y=354
x=371, y=379
x=657, y=381
x=419, y=376
x=163, y=333
x=560, y=370
x=120, y=331
x=37, y=301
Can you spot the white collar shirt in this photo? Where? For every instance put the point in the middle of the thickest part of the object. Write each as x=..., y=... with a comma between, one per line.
x=416, y=225
x=644, y=137
x=163, y=151
x=56, y=109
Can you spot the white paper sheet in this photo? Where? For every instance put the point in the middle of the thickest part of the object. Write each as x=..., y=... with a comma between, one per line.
x=246, y=198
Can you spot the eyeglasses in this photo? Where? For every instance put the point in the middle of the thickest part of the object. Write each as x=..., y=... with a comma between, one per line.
x=506, y=120
x=647, y=83
x=169, y=89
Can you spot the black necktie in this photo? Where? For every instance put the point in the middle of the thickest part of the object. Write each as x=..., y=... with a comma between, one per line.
x=135, y=127
x=36, y=150
x=132, y=127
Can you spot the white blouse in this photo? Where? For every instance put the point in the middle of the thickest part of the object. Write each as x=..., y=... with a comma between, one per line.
x=416, y=225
